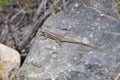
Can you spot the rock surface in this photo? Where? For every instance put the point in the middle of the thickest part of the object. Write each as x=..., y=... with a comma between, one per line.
x=9, y=63
x=48, y=60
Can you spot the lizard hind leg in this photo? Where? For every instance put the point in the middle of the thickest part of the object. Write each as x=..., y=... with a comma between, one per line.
x=59, y=43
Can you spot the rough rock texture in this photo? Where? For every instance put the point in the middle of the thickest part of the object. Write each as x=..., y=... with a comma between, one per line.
x=49, y=60
x=105, y=6
x=9, y=63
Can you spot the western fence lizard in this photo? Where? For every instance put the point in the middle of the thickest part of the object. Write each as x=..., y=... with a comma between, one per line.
x=59, y=39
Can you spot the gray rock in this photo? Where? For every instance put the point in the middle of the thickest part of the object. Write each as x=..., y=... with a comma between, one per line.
x=47, y=60
x=105, y=6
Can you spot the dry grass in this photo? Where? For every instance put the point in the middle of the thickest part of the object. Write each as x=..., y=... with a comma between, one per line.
x=26, y=13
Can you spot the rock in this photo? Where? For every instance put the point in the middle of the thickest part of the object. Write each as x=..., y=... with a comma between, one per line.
x=48, y=60
x=105, y=6
x=9, y=63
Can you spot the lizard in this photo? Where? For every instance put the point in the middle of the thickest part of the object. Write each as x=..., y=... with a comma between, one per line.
x=59, y=39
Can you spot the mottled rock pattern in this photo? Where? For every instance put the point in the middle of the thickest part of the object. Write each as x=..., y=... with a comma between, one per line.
x=105, y=6
x=48, y=60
